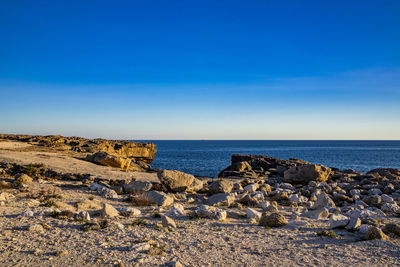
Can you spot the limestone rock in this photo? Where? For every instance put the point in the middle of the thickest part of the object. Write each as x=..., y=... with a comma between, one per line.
x=354, y=223
x=168, y=222
x=129, y=211
x=224, y=186
x=221, y=199
x=323, y=201
x=35, y=228
x=338, y=220
x=154, y=197
x=252, y=213
x=23, y=179
x=196, y=185
x=306, y=173
x=175, y=180
x=273, y=220
x=211, y=212
x=251, y=188
x=317, y=214
x=106, y=159
x=137, y=187
x=109, y=211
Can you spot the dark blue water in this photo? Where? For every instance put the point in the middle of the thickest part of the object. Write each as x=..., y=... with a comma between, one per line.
x=208, y=158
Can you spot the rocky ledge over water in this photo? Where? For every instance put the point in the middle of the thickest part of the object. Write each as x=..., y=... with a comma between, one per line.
x=262, y=210
x=115, y=153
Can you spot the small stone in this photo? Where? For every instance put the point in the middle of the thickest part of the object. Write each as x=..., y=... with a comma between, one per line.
x=27, y=213
x=354, y=223
x=141, y=247
x=338, y=220
x=273, y=220
x=96, y=187
x=118, y=225
x=224, y=186
x=154, y=197
x=129, y=212
x=109, y=211
x=83, y=215
x=251, y=214
x=168, y=222
x=35, y=228
x=221, y=199
x=4, y=196
x=364, y=228
x=137, y=187
x=317, y=214
x=175, y=264
x=211, y=212
x=323, y=201
x=251, y=188
x=62, y=253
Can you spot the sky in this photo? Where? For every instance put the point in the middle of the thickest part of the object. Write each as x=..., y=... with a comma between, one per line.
x=201, y=69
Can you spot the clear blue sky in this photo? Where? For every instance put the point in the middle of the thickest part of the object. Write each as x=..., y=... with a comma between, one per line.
x=201, y=69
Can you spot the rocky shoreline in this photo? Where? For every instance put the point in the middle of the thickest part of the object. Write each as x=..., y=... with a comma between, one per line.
x=260, y=211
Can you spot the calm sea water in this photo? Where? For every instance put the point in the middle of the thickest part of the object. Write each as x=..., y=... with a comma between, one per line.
x=208, y=158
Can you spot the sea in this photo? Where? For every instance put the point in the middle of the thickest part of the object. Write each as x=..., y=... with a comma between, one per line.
x=207, y=158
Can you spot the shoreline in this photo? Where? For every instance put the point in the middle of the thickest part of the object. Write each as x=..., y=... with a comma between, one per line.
x=60, y=208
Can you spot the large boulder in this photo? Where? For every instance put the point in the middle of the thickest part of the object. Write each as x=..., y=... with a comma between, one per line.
x=137, y=187
x=175, y=180
x=106, y=159
x=224, y=186
x=274, y=219
x=307, y=173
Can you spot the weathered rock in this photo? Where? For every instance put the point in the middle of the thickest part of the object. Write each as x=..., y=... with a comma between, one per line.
x=241, y=166
x=251, y=188
x=338, y=220
x=137, y=187
x=354, y=223
x=211, y=212
x=83, y=215
x=317, y=214
x=196, y=185
x=108, y=193
x=221, y=199
x=27, y=213
x=154, y=197
x=23, y=179
x=376, y=233
x=109, y=211
x=373, y=200
x=175, y=180
x=273, y=220
x=35, y=228
x=306, y=173
x=323, y=201
x=4, y=196
x=252, y=213
x=168, y=222
x=224, y=186
x=129, y=211
x=5, y=185
x=391, y=228
x=106, y=159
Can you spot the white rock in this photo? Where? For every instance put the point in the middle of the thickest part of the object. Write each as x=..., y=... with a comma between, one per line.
x=108, y=193
x=109, y=211
x=251, y=188
x=252, y=213
x=175, y=213
x=27, y=213
x=221, y=199
x=211, y=212
x=4, y=196
x=83, y=215
x=317, y=214
x=338, y=220
x=96, y=186
x=35, y=228
x=323, y=201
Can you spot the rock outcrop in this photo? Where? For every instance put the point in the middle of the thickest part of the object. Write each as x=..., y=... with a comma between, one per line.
x=116, y=153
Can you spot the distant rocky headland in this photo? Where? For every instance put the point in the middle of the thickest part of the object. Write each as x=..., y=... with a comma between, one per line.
x=76, y=201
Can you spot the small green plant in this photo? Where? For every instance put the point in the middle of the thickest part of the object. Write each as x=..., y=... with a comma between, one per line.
x=49, y=203
x=139, y=222
x=156, y=215
x=326, y=233
x=33, y=169
x=91, y=197
x=54, y=214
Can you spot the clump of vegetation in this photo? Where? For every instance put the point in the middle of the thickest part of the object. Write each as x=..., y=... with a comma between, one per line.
x=326, y=233
x=156, y=215
x=156, y=250
x=65, y=214
x=91, y=197
x=139, y=222
x=34, y=169
x=49, y=203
